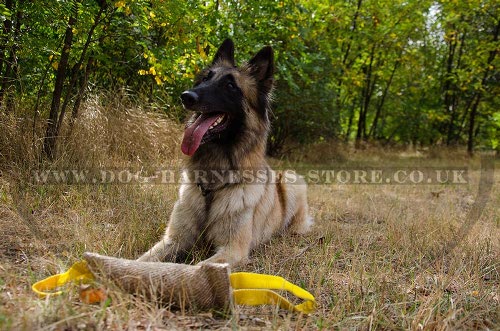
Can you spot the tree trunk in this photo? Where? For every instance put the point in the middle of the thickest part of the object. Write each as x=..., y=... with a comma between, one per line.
x=7, y=28
x=472, y=124
x=81, y=93
x=447, y=89
x=8, y=56
x=38, y=97
x=473, y=113
x=76, y=69
x=451, y=97
x=365, y=102
x=349, y=124
x=338, y=102
x=380, y=105
x=49, y=144
x=13, y=75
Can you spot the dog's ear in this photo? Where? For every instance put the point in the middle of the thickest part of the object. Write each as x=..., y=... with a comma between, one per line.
x=262, y=68
x=225, y=52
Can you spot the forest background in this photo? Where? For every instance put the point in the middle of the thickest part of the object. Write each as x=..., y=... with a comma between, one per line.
x=416, y=73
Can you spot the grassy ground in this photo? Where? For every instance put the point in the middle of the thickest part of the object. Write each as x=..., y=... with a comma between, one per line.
x=379, y=256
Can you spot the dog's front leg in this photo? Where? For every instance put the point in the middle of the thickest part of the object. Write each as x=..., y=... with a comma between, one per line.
x=236, y=249
x=179, y=237
x=165, y=250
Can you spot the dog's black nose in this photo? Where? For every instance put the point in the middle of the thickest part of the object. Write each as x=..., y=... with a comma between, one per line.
x=189, y=98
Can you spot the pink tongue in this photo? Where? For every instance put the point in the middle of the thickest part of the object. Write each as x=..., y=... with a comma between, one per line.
x=195, y=132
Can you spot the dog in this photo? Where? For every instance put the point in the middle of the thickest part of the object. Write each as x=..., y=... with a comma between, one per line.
x=229, y=196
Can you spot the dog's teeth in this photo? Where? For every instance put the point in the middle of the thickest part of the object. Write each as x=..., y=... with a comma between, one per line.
x=217, y=122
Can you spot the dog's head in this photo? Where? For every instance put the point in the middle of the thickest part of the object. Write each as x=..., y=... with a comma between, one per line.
x=230, y=104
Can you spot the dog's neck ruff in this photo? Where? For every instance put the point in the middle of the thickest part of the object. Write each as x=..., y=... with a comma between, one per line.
x=205, y=191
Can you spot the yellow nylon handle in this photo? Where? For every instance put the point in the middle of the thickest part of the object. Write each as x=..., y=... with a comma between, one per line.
x=257, y=297
x=253, y=289
x=78, y=271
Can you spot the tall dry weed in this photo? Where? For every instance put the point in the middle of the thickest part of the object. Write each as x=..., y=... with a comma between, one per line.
x=110, y=131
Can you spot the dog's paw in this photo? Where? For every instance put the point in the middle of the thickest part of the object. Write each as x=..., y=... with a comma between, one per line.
x=148, y=257
x=225, y=258
x=302, y=227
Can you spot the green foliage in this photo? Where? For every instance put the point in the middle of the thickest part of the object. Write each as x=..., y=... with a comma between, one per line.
x=421, y=72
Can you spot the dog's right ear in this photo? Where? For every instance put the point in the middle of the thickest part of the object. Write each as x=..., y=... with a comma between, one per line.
x=225, y=52
x=262, y=68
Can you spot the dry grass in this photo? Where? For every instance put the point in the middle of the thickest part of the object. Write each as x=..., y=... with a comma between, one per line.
x=378, y=257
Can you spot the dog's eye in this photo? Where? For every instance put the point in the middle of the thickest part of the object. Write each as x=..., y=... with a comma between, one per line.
x=207, y=76
x=230, y=85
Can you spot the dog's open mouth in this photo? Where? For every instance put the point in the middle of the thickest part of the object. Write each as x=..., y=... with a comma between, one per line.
x=205, y=127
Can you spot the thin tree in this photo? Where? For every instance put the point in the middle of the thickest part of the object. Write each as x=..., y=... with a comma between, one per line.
x=49, y=143
x=479, y=92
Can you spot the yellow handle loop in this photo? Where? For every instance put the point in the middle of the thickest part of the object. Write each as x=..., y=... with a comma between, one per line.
x=78, y=272
x=248, y=288
x=254, y=289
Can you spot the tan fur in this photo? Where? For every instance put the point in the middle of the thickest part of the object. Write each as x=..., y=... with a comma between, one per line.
x=238, y=217
x=241, y=217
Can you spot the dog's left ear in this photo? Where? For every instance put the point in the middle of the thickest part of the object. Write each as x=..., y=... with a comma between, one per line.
x=225, y=52
x=262, y=68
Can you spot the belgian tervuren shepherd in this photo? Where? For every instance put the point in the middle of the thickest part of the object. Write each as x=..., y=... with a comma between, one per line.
x=230, y=197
